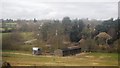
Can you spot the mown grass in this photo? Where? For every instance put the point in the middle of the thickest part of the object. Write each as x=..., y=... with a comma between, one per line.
x=13, y=44
x=25, y=35
x=87, y=59
x=16, y=51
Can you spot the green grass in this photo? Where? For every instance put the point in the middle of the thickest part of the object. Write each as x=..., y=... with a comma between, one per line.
x=5, y=34
x=16, y=51
x=25, y=35
x=0, y=36
x=12, y=23
x=87, y=59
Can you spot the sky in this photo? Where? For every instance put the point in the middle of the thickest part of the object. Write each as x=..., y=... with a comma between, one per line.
x=57, y=9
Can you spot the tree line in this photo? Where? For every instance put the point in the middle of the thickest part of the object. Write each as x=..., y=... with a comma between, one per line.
x=91, y=35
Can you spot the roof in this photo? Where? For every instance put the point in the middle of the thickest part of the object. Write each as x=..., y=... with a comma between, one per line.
x=35, y=48
x=73, y=47
x=70, y=48
x=104, y=35
x=82, y=40
x=64, y=49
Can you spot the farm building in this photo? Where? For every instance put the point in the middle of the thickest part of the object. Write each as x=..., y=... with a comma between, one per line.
x=36, y=51
x=67, y=51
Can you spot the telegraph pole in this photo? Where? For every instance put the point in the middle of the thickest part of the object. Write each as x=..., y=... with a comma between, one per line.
x=56, y=33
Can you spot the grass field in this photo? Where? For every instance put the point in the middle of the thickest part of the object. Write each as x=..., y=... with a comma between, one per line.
x=25, y=58
x=16, y=58
x=25, y=35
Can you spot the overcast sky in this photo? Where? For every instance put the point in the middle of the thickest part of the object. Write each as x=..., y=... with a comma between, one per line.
x=57, y=9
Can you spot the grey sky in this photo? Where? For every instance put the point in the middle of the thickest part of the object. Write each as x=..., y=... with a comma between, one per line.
x=55, y=9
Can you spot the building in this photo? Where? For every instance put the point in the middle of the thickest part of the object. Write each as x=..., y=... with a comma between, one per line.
x=67, y=51
x=36, y=51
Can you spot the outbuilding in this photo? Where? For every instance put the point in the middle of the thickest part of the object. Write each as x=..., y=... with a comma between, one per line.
x=36, y=51
x=67, y=51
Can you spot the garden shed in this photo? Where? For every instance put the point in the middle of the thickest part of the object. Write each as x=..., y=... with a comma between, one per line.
x=36, y=51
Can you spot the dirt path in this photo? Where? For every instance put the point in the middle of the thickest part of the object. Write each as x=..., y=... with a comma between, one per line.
x=18, y=53
x=28, y=54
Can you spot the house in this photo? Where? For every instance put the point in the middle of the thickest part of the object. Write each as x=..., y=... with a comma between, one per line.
x=67, y=51
x=36, y=51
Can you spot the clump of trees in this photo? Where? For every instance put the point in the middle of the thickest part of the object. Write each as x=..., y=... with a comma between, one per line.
x=97, y=38
x=110, y=35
